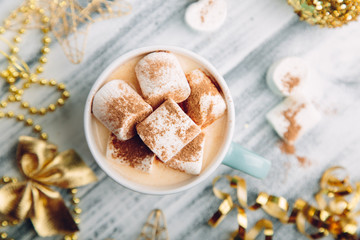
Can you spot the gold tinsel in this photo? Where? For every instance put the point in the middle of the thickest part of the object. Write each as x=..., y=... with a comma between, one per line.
x=326, y=13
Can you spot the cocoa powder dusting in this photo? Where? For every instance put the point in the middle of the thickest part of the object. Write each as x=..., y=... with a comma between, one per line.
x=304, y=162
x=287, y=148
x=290, y=82
x=132, y=151
x=293, y=129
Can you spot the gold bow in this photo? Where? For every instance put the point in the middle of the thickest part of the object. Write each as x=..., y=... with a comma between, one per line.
x=43, y=166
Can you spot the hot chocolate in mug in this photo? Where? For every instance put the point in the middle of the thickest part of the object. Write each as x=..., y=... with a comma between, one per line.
x=228, y=153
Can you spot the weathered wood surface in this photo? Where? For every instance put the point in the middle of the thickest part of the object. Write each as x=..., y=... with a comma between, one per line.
x=255, y=34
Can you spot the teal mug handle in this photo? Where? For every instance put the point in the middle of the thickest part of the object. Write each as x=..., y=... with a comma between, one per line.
x=246, y=161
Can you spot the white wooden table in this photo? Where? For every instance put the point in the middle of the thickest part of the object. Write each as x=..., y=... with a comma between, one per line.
x=255, y=34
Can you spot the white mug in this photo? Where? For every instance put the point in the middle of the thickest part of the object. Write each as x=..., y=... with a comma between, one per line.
x=230, y=154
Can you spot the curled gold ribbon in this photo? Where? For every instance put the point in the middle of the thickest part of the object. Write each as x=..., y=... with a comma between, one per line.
x=43, y=166
x=334, y=215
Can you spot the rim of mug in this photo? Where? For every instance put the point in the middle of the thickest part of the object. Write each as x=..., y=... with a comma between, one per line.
x=143, y=188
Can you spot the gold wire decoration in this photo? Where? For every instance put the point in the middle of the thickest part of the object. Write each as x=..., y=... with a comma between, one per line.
x=155, y=227
x=326, y=13
x=335, y=215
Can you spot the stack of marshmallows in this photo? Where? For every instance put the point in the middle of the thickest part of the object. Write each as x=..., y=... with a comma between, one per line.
x=296, y=115
x=154, y=125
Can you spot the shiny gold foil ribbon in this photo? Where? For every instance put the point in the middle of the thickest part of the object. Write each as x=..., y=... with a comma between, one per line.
x=336, y=212
x=155, y=227
x=43, y=166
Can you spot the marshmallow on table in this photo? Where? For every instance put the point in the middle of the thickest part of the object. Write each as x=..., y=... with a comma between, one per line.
x=288, y=76
x=132, y=152
x=206, y=15
x=205, y=103
x=120, y=108
x=161, y=77
x=167, y=130
x=190, y=158
x=293, y=117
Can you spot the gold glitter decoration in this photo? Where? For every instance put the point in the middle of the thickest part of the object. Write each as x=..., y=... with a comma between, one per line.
x=335, y=215
x=155, y=227
x=326, y=13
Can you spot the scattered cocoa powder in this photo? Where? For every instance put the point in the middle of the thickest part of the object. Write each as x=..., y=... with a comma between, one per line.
x=290, y=82
x=304, y=162
x=287, y=148
x=205, y=10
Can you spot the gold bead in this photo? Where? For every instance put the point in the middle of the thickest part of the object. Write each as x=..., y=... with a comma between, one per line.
x=10, y=80
x=23, y=9
x=77, y=220
x=41, y=10
x=42, y=111
x=15, y=74
x=74, y=236
x=67, y=237
x=66, y=94
x=73, y=190
x=29, y=122
x=61, y=86
x=11, y=69
x=32, y=6
x=3, y=104
x=14, y=49
x=11, y=98
x=26, y=85
x=18, y=97
x=5, y=179
x=76, y=200
x=14, y=222
x=52, y=107
x=2, y=114
x=77, y=210
x=3, y=235
x=45, y=30
x=45, y=19
x=2, y=30
x=45, y=50
x=46, y=40
x=10, y=114
x=26, y=21
x=33, y=110
x=14, y=180
x=24, y=75
x=44, y=136
x=43, y=81
x=39, y=69
x=33, y=78
x=43, y=59
x=20, y=91
x=12, y=89
x=7, y=23
x=17, y=39
x=37, y=128
x=20, y=117
x=52, y=82
x=60, y=102
x=12, y=59
x=5, y=73
x=21, y=30
x=4, y=223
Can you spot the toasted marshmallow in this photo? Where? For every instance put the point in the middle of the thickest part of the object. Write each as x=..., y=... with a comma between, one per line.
x=132, y=152
x=119, y=108
x=167, y=130
x=288, y=76
x=161, y=77
x=205, y=103
x=293, y=118
x=190, y=158
x=206, y=15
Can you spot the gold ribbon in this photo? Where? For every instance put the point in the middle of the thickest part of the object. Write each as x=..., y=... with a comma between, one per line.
x=334, y=215
x=43, y=166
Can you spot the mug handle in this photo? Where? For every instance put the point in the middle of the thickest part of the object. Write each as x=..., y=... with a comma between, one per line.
x=244, y=160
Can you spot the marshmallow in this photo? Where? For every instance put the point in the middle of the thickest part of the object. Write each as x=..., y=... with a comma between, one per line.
x=120, y=108
x=206, y=15
x=167, y=130
x=132, y=153
x=293, y=118
x=205, y=103
x=161, y=77
x=288, y=76
x=190, y=158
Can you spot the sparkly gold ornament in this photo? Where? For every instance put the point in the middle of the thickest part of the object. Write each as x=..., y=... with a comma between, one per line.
x=326, y=13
